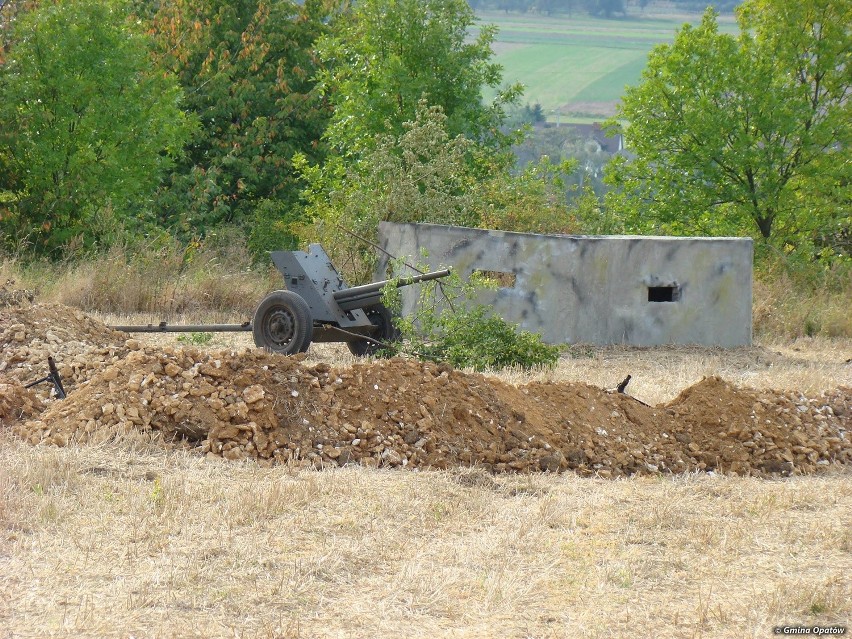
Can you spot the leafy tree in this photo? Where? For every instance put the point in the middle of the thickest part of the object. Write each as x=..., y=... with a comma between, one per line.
x=89, y=125
x=388, y=54
x=248, y=67
x=531, y=200
x=606, y=8
x=425, y=175
x=420, y=175
x=747, y=134
x=410, y=137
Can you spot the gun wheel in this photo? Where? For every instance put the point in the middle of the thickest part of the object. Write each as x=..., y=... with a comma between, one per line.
x=381, y=317
x=282, y=323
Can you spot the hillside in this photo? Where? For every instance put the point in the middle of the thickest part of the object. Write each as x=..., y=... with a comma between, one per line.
x=577, y=67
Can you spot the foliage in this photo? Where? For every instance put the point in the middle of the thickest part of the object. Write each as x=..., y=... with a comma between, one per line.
x=88, y=125
x=592, y=215
x=197, y=339
x=249, y=69
x=531, y=201
x=420, y=175
x=386, y=55
x=475, y=338
x=410, y=138
x=451, y=328
x=744, y=135
x=425, y=175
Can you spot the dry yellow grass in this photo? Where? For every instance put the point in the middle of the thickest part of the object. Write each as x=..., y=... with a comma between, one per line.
x=126, y=539
x=114, y=542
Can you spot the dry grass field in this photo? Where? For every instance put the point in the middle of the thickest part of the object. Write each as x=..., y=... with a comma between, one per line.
x=129, y=540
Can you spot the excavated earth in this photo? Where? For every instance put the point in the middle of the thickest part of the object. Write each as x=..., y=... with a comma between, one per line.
x=393, y=413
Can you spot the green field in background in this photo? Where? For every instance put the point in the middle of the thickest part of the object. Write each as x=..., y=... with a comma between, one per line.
x=579, y=66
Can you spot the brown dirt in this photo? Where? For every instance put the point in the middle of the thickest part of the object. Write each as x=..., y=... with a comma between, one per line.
x=29, y=333
x=17, y=402
x=251, y=404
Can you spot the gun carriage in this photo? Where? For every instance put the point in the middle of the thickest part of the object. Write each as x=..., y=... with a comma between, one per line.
x=316, y=306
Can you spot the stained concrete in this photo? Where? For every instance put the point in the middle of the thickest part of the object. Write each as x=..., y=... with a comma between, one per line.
x=643, y=291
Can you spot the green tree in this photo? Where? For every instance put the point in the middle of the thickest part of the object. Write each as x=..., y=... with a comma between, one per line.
x=419, y=175
x=385, y=55
x=248, y=68
x=746, y=134
x=88, y=125
x=426, y=175
x=606, y=8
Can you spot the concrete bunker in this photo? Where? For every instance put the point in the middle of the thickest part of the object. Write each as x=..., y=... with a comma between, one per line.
x=635, y=290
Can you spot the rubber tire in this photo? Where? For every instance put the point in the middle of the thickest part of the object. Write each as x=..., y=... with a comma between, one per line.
x=295, y=326
x=380, y=316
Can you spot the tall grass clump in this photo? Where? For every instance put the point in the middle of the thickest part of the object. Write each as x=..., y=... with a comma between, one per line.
x=163, y=277
x=795, y=300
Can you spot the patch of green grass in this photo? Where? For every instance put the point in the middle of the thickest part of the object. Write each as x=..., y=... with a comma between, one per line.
x=198, y=339
x=564, y=61
x=611, y=86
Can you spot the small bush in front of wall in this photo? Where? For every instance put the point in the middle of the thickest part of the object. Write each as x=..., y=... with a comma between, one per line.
x=472, y=338
x=449, y=327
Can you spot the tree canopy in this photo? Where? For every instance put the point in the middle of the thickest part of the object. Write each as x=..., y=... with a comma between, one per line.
x=88, y=124
x=744, y=134
x=385, y=55
x=248, y=68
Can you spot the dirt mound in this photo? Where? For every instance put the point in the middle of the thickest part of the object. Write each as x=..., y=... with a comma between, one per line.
x=252, y=404
x=17, y=402
x=80, y=344
x=11, y=296
x=773, y=431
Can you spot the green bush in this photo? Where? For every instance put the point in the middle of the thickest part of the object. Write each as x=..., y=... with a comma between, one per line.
x=471, y=338
x=449, y=327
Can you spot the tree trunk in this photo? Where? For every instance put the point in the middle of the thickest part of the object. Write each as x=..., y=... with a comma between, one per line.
x=765, y=225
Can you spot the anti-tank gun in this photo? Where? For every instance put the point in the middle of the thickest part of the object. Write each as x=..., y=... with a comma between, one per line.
x=317, y=306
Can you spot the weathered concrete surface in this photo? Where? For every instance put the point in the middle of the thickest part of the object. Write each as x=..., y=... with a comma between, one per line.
x=598, y=289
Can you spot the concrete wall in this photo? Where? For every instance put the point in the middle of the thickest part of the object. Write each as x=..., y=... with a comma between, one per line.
x=598, y=289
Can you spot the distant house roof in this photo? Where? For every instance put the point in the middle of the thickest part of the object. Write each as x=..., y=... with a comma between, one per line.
x=595, y=131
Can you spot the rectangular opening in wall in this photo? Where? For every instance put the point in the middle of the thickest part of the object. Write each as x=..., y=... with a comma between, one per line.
x=663, y=293
x=503, y=279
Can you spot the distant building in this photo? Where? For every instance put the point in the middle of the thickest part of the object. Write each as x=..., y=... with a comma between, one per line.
x=596, y=133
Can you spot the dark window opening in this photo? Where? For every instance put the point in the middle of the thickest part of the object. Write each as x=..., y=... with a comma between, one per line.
x=503, y=280
x=663, y=294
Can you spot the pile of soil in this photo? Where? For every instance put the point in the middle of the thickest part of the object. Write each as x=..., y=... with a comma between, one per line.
x=394, y=413
x=80, y=344
x=17, y=402
x=12, y=296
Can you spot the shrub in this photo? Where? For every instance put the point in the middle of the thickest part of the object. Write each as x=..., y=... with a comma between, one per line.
x=449, y=327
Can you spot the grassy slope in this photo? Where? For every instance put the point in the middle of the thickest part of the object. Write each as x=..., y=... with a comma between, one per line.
x=579, y=66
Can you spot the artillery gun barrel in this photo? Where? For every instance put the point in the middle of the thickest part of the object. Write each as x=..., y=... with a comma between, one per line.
x=370, y=294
